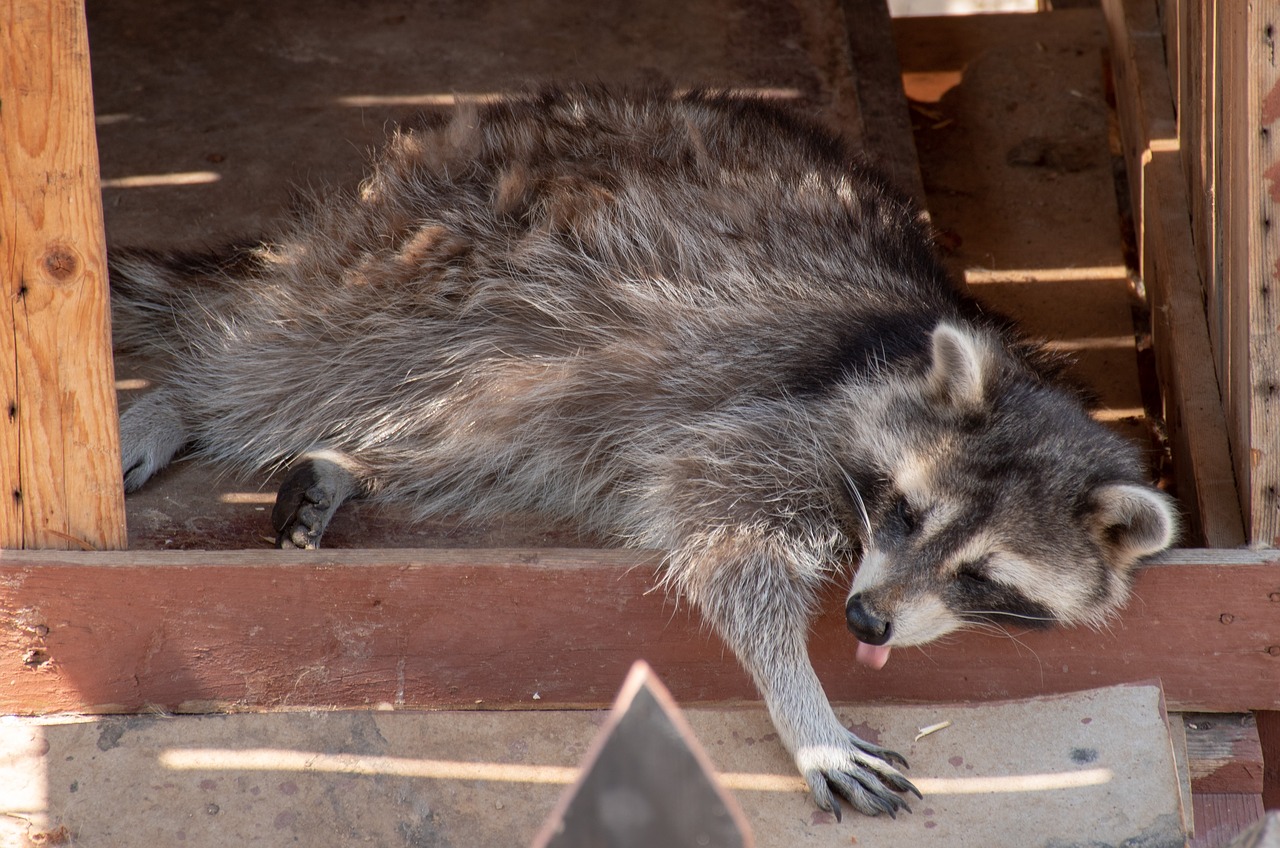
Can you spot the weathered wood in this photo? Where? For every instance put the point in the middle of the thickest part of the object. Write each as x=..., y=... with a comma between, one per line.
x=59, y=460
x=1228, y=102
x=1250, y=162
x=1220, y=818
x=886, y=131
x=1269, y=736
x=101, y=632
x=1184, y=356
x=1223, y=753
x=1191, y=44
x=1265, y=833
x=646, y=781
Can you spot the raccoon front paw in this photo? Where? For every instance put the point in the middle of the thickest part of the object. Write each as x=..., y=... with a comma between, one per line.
x=858, y=771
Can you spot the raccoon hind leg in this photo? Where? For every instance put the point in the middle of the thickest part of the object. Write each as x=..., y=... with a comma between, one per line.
x=316, y=486
x=152, y=431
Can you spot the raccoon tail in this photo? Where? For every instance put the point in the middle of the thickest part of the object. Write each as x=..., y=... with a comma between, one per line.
x=155, y=294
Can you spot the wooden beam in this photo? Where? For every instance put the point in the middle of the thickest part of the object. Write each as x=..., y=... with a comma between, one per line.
x=1184, y=357
x=195, y=631
x=59, y=454
x=1224, y=753
x=1250, y=188
x=1194, y=38
x=886, y=135
x=1269, y=737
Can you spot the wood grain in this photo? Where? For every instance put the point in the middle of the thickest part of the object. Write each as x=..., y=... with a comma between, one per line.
x=1269, y=737
x=1220, y=818
x=1224, y=753
x=59, y=455
x=193, y=631
x=1250, y=162
x=1207, y=482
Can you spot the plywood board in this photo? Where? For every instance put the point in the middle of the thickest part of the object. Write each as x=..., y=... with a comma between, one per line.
x=1093, y=768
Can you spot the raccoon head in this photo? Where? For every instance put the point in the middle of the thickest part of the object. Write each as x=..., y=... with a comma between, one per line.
x=1001, y=502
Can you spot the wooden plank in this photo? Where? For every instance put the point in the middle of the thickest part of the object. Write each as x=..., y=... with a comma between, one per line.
x=1223, y=753
x=1251, y=254
x=1184, y=357
x=101, y=632
x=1269, y=736
x=1264, y=833
x=1199, y=131
x=59, y=456
x=886, y=136
x=1220, y=818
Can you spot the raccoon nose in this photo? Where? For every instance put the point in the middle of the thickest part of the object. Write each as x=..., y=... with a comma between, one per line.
x=866, y=625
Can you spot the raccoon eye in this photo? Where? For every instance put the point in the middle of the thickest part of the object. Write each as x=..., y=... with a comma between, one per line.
x=905, y=515
x=973, y=573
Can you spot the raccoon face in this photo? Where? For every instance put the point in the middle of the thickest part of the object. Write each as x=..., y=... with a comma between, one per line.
x=1004, y=503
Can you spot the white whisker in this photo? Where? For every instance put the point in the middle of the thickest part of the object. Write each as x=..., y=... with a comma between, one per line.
x=1050, y=619
x=857, y=497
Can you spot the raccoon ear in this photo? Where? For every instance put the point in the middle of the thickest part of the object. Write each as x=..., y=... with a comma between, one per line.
x=959, y=362
x=1136, y=521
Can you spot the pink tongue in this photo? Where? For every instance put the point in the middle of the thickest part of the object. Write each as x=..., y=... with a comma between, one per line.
x=873, y=655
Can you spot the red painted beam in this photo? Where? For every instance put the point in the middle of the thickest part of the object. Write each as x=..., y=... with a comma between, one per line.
x=103, y=632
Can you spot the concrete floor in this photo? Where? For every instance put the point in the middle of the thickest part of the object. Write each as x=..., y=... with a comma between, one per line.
x=1090, y=769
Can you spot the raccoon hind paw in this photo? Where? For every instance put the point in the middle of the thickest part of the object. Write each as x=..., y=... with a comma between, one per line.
x=309, y=497
x=151, y=434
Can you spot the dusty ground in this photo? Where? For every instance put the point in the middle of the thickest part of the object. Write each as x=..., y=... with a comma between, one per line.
x=1011, y=126
x=211, y=115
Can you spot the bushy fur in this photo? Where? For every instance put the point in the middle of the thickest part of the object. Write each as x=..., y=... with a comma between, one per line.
x=693, y=323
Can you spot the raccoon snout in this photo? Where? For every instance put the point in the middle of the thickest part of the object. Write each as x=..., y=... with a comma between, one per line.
x=866, y=625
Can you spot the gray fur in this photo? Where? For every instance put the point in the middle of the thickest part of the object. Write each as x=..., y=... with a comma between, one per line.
x=693, y=323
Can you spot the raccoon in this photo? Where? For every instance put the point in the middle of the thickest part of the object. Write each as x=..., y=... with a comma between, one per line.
x=687, y=321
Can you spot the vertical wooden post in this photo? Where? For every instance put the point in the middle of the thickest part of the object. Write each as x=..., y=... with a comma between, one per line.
x=1163, y=217
x=1249, y=191
x=59, y=450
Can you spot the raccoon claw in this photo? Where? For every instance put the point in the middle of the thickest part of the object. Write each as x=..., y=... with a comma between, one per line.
x=864, y=777
x=891, y=757
x=138, y=473
x=857, y=791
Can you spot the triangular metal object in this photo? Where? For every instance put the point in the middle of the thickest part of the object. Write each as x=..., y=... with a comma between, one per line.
x=646, y=782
